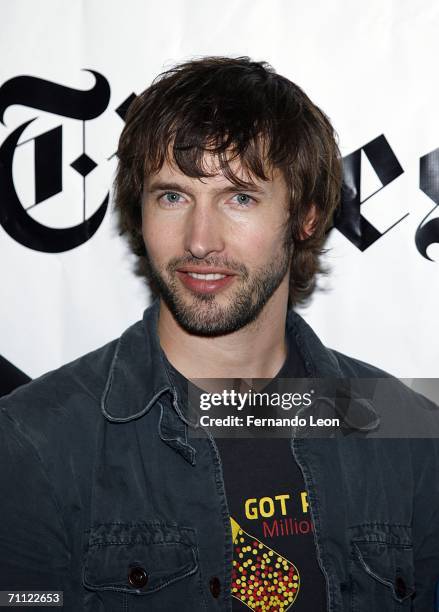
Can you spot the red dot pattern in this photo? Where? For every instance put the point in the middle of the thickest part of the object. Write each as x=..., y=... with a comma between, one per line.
x=261, y=578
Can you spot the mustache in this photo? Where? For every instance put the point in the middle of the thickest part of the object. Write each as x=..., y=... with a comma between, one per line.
x=217, y=262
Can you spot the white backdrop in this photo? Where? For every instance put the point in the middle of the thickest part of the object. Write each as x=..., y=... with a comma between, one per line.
x=371, y=66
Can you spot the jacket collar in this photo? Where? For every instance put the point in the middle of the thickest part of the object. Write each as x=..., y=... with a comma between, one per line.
x=138, y=374
x=357, y=412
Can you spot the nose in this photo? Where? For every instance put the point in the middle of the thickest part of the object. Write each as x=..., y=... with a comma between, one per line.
x=204, y=231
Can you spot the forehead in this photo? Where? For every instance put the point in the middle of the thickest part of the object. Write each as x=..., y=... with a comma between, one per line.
x=241, y=179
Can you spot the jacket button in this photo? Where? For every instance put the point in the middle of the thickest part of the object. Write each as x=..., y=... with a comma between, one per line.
x=215, y=587
x=400, y=587
x=137, y=577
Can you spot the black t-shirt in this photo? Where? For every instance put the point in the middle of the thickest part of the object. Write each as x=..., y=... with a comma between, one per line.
x=274, y=556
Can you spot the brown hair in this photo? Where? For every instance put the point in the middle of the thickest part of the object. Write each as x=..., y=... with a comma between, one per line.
x=232, y=106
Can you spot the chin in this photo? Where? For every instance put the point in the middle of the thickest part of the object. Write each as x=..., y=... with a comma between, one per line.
x=212, y=320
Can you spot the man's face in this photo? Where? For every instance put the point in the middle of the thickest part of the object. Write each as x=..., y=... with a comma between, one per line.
x=216, y=252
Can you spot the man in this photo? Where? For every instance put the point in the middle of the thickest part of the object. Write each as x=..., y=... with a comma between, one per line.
x=227, y=182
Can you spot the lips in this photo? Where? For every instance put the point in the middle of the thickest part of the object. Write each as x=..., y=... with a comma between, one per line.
x=207, y=277
x=206, y=270
x=205, y=281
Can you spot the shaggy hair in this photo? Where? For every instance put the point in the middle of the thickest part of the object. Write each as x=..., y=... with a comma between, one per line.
x=233, y=108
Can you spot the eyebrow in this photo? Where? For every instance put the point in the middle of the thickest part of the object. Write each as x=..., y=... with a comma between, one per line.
x=165, y=186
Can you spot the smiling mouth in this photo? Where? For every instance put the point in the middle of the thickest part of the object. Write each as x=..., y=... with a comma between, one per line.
x=205, y=283
x=207, y=277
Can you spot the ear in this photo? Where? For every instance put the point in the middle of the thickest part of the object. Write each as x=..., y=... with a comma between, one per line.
x=310, y=222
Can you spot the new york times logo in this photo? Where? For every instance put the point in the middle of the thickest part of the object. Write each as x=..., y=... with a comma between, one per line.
x=53, y=161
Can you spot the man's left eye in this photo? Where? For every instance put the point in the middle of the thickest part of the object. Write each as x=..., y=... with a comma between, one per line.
x=242, y=199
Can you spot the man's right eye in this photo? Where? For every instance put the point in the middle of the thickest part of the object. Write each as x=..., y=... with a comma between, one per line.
x=170, y=197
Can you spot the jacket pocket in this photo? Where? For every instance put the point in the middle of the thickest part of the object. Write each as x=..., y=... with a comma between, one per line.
x=129, y=565
x=382, y=568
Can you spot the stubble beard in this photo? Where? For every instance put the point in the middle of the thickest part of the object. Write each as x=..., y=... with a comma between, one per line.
x=203, y=314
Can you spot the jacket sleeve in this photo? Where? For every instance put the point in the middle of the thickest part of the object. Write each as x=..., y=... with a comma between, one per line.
x=34, y=553
x=426, y=522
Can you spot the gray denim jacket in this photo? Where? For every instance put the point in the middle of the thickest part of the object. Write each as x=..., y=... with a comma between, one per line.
x=106, y=497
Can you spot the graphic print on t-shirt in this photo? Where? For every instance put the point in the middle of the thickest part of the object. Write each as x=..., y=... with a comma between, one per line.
x=261, y=578
x=268, y=503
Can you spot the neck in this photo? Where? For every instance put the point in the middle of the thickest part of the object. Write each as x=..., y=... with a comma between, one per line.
x=258, y=350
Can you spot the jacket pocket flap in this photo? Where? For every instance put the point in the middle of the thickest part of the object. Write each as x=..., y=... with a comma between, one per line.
x=139, y=558
x=386, y=554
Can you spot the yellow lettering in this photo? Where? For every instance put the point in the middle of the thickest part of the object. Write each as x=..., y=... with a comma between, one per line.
x=282, y=499
x=251, y=511
x=305, y=504
x=270, y=511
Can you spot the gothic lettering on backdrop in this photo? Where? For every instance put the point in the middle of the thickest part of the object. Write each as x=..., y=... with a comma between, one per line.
x=428, y=231
x=83, y=106
x=349, y=220
x=63, y=101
